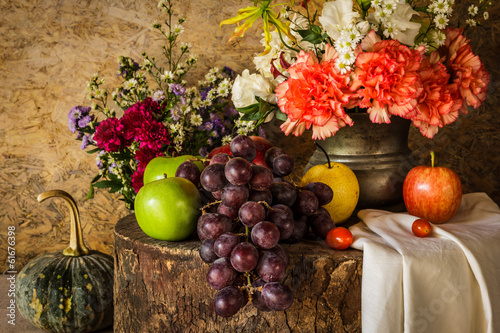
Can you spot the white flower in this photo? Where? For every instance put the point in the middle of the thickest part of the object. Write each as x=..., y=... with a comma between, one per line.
x=247, y=86
x=178, y=29
x=389, y=30
x=424, y=44
x=196, y=120
x=336, y=16
x=223, y=91
x=473, y=10
x=185, y=109
x=471, y=22
x=438, y=37
x=158, y=96
x=406, y=30
x=389, y=6
x=486, y=15
x=168, y=75
x=226, y=139
x=341, y=66
x=441, y=21
x=130, y=84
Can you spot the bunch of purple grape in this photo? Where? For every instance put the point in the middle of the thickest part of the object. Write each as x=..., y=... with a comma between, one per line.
x=255, y=209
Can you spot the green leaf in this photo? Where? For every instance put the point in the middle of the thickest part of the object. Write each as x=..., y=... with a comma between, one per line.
x=364, y=4
x=280, y=115
x=105, y=184
x=311, y=36
x=90, y=195
x=95, y=150
x=96, y=178
x=249, y=109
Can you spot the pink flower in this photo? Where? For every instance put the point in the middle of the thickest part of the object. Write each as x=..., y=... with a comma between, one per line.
x=144, y=155
x=137, y=180
x=315, y=95
x=467, y=70
x=436, y=105
x=152, y=134
x=109, y=135
x=388, y=72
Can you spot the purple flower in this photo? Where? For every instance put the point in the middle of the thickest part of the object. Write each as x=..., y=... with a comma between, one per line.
x=72, y=125
x=229, y=72
x=261, y=132
x=176, y=113
x=208, y=126
x=85, y=142
x=111, y=167
x=83, y=122
x=203, y=151
x=231, y=112
x=177, y=89
x=204, y=93
x=158, y=96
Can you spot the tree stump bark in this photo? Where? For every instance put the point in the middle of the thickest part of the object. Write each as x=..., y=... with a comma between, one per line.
x=161, y=287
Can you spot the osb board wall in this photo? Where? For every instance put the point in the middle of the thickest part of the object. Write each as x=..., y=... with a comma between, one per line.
x=49, y=49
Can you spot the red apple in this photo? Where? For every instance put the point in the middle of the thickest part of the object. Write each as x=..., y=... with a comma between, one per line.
x=432, y=193
x=261, y=144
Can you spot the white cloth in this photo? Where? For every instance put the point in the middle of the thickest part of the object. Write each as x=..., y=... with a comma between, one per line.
x=446, y=282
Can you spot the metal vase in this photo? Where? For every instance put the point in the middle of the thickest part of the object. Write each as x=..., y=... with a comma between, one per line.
x=377, y=153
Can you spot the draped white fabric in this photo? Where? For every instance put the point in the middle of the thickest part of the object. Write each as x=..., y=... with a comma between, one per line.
x=446, y=282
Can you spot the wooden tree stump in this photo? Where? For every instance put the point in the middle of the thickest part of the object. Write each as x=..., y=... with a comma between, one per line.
x=161, y=287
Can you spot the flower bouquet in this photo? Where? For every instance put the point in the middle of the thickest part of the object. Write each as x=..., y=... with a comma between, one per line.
x=168, y=120
x=384, y=57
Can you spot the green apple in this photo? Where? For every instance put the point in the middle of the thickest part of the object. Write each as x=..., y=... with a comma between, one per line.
x=159, y=166
x=168, y=209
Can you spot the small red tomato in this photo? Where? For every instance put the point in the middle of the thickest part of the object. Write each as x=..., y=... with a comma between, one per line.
x=421, y=228
x=339, y=238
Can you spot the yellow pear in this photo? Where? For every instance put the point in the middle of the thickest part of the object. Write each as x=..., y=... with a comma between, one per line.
x=343, y=183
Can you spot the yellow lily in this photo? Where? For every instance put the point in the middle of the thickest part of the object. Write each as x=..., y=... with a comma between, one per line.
x=250, y=14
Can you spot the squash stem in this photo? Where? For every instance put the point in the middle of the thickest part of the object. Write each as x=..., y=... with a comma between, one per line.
x=76, y=244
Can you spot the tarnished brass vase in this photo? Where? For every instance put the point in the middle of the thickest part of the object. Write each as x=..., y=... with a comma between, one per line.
x=377, y=153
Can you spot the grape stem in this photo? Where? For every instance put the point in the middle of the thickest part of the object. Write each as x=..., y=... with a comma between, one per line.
x=265, y=204
x=203, y=209
x=324, y=152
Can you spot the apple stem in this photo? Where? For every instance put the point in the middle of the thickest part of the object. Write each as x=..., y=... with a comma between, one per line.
x=433, y=156
x=324, y=152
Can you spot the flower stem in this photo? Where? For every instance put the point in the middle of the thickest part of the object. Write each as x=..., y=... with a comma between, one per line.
x=433, y=156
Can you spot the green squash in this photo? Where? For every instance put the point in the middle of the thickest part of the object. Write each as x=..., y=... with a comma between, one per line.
x=70, y=290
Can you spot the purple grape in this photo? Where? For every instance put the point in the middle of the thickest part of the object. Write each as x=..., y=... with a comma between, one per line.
x=220, y=158
x=214, y=224
x=234, y=195
x=212, y=178
x=262, y=178
x=283, y=193
x=300, y=229
x=230, y=212
x=277, y=296
x=238, y=171
x=199, y=229
x=257, y=299
x=251, y=213
x=271, y=267
x=321, y=224
x=288, y=210
x=283, y=222
x=322, y=191
x=207, y=253
x=244, y=257
x=271, y=154
x=283, y=165
x=189, y=171
x=261, y=196
x=224, y=244
x=243, y=146
x=221, y=274
x=280, y=252
x=228, y=301
x=265, y=235
x=306, y=203
x=217, y=194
